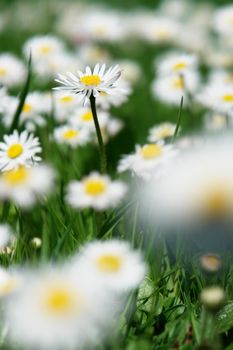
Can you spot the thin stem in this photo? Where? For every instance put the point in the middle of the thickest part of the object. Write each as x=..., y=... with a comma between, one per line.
x=178, y=119
x=103, y=158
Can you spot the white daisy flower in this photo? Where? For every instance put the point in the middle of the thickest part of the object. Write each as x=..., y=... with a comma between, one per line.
x=25, y=186
x=176, y=63
x=118, y=266
x=19, y=149
x=42, y=47
x=223, y=20
x=71, y=135
x=91, y=53
x=65, y=103
x=131, y=71
x=62, y=62
x=91, y=82
x=161, y=132
x=215, y=121
x=12, y=70
x=96, y=191
x=221, y=77
x=148, y=160
x=61, y=310
x=158, y=29
x=170, y=89
x=82, y=117
x=105, y=101
x=103, y=25
x=191, y=193
x=218, y=98
x=5, y=235
x=8, y=106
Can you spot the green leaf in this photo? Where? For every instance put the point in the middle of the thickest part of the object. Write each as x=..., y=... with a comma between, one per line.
x=224, y=318
x=23, y=96
x=114, y=219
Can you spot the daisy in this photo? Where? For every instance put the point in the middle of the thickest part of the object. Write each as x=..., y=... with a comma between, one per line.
x=219, y=98
x=158, y=29
x=82, y=117
x=25, y=186
x=215, y=121
x=96, y=191
x=190, y=193
x=221, y=77
x=91, y=82
x=65, y=103
x=103, y=25
x=62, y=310
x=92, y=53
x=42, y=47
x=12, y=70
x=148, y=160
x=176, y=63
x=170, y=89
x=213, y=297
x=131, y=71
x=105, y=101
x=161, y=132
x=19, y=149
x=5, y=235
x=118, y=266
x=223, y=20
x=72, y=136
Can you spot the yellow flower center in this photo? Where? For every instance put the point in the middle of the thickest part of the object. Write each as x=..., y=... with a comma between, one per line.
x=217, y=201
x=66, y=99
x=109, y=263
x=70, y=134
x=95, y=187
x=178, y=83
x=16, y=176
x=219, y=120
x=228, y=98
x=86, y=117
x=179, y=65
x=165, y=132
x=101, y=30
x=45, y=50
x=151, y=151
x=15, y=150
x=3, y=71
x=162, y=34
x=59, y=300
x=27, y=108
x=90, y=80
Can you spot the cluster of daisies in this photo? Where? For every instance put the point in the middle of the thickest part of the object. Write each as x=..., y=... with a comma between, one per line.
x=74, y=305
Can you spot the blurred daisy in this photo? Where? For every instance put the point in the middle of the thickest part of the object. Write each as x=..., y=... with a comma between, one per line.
x=193, y=193
x=170, y=89
x=219, y=98
x=41, y=47
x=19, y=149
x=72, y=136
x=92, y=53
x=5, y=235
x=35, y=106
x=161, y=132
x=223, y=20
x=25, y=186
x=215, y=121
x=131, y=71
x=118, y=266
x=96, y=81
x=12, y=70
x=148, y=160
x=96, y=191
x=105, y=101
x=158, y=29
x=61, y=310
x=221, y=77
x=64, y=104
x=176, y=63
x=82, y=117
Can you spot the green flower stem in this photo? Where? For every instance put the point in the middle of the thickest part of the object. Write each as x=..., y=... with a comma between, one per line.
x=103, y=158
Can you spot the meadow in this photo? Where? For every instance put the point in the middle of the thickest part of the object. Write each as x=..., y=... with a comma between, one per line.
x=116, y=175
